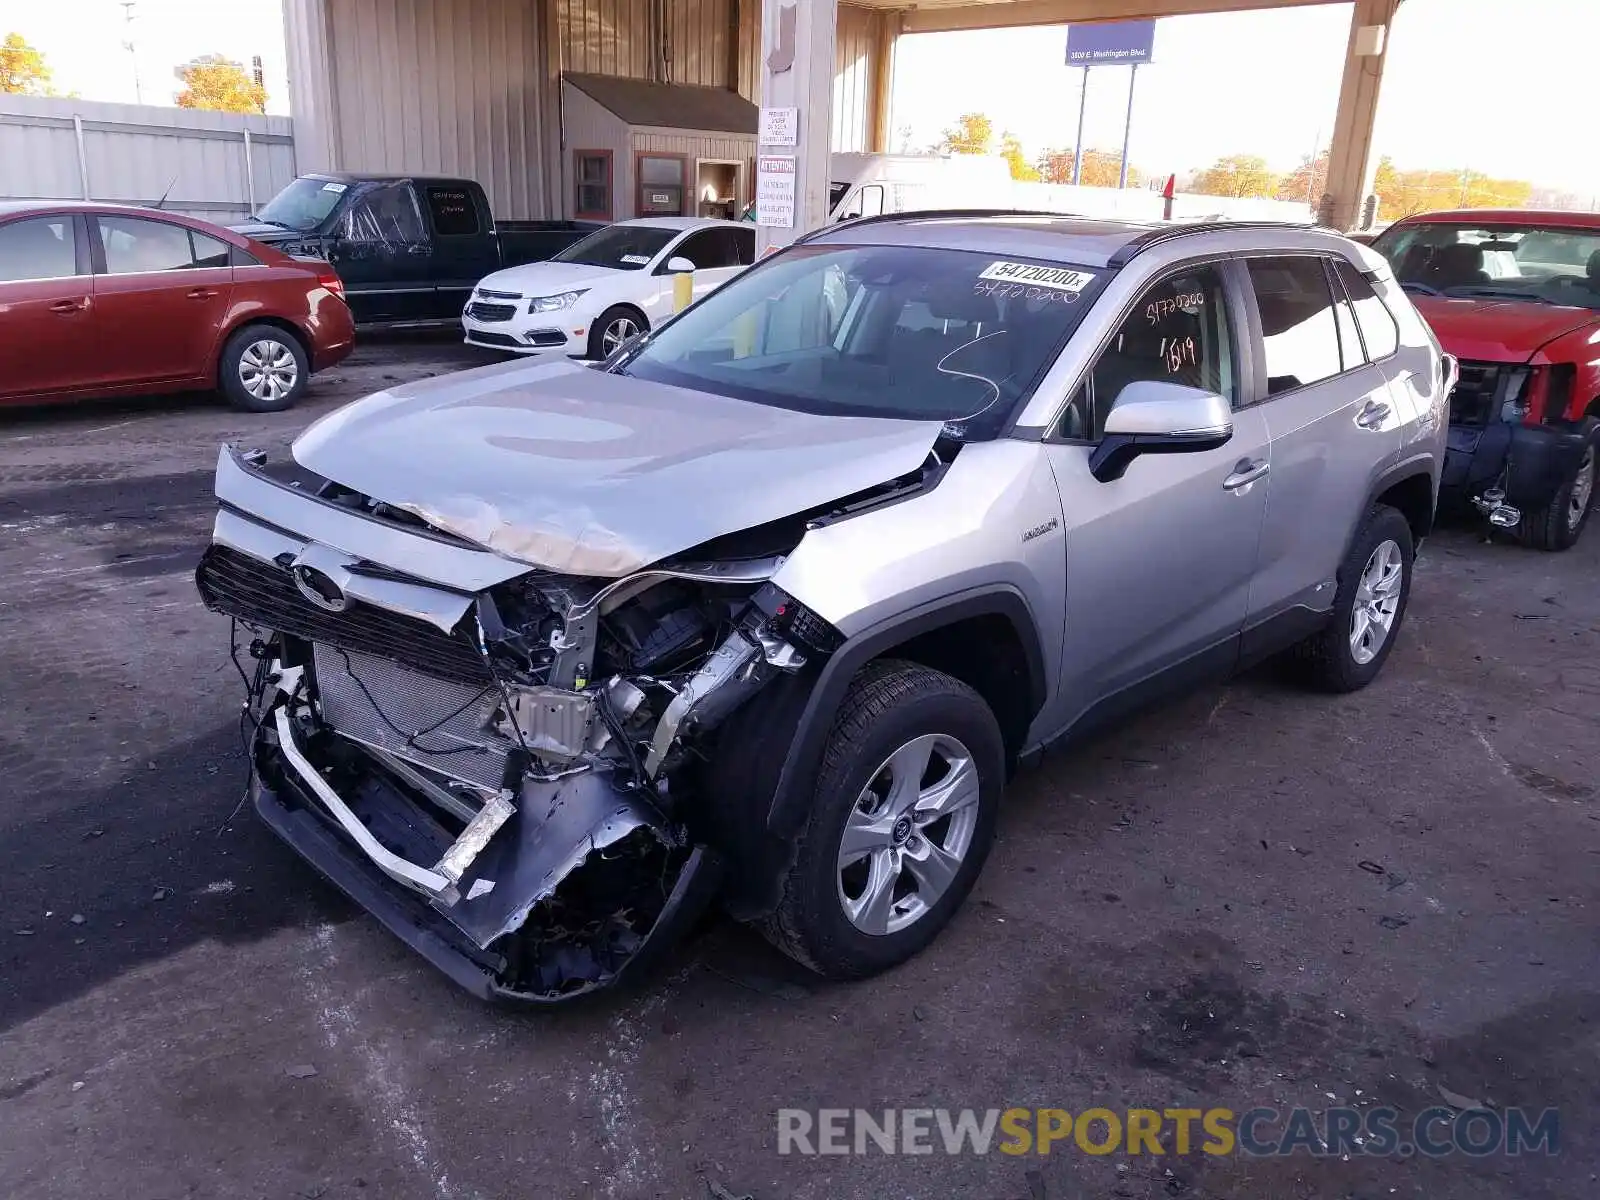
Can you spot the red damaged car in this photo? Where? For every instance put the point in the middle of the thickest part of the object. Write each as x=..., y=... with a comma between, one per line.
x=1515, y=296
x=101, y=300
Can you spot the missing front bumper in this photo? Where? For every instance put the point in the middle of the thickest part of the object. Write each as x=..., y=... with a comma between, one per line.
x=569, y=913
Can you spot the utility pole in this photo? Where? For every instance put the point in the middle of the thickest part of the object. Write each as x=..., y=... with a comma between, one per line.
x=133, y=55
x=1077, y=153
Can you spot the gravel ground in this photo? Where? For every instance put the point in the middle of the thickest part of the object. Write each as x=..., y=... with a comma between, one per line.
x=1251, y=897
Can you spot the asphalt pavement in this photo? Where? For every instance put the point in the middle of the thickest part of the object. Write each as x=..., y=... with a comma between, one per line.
x=1252, y=897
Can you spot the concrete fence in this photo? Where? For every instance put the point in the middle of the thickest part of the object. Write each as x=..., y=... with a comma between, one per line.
x=220, y=166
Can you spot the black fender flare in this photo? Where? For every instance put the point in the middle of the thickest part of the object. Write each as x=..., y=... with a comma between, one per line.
x=1411, y=468
x=797, y=777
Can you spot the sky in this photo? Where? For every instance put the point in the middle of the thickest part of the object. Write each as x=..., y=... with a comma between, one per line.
x=1499, y=86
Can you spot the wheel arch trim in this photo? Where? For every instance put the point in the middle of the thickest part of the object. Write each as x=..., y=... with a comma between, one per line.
x=798, y=774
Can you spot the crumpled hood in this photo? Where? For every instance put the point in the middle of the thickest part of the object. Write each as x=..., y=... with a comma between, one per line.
x=569, y=468
x=1497, y=330
x=548, y=278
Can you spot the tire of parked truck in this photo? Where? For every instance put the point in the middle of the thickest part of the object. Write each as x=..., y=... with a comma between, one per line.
x=615, y=326
x=900, y=823
x=263, y=369
x=1559, y=524
x=1374, y=588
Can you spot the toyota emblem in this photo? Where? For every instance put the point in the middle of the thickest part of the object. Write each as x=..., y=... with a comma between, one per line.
x=320, y=589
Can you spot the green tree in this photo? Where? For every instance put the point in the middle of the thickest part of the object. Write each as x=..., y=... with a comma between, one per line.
x=972, y=134
x=220, y=84
x=1011, y=151
x=1237, y=175
x=1100, y=168
x=22, y=68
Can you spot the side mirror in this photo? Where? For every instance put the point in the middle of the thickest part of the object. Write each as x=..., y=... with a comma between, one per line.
x=679, y=265
x=1150, y=417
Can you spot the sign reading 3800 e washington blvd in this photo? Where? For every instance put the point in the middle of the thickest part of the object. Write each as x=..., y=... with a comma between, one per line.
x=1110, y=43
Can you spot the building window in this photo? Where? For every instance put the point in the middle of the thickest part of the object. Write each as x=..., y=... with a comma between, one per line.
x=591, y=173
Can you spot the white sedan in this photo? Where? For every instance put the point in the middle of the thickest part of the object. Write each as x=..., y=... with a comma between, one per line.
x=599, y=292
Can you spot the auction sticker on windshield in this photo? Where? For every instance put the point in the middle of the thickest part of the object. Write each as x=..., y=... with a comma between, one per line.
x=1060, y=278
x=636, y=260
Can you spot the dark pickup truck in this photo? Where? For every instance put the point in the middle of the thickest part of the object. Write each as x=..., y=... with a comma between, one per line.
x=408, y=248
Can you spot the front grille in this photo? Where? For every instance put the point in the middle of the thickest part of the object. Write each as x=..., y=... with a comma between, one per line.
x=372, y=700
x=480, y=311
x=1478, y=393
x=264, y=594
x=486, y=294
x=491, y=339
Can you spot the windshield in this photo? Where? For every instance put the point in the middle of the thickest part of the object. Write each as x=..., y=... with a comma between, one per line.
x=1522, y=262
x=304, y=204
x=620, y=247
x=877, y=331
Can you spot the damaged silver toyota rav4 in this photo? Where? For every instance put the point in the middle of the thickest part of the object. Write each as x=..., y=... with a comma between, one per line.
x=766, y=607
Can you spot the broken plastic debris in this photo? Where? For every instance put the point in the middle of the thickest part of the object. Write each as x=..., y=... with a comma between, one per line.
x=1458, y=1101
x=77, y=1085
x=77, y=919
x=480, y=887
x=161, y=893
x=301, y=1071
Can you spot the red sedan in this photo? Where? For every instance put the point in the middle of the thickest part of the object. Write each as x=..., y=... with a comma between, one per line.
x=102, y=300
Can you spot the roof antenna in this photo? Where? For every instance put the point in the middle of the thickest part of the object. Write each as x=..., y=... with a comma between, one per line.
x=168, y=192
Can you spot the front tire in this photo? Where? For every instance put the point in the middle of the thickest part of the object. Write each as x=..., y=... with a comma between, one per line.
x=263, y=369
x=613, y=328
x=901, y=822
x=1374, y=588
x=1559, y=524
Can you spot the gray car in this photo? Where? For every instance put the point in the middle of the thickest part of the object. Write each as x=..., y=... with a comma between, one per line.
x=767, y=607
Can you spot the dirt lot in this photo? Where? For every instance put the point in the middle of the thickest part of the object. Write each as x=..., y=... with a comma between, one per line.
x=1253, y=897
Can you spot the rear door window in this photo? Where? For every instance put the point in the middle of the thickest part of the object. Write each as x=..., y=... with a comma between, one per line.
x=37, y=248
x=1299, y=332
x=1378, y=330
x=707, y=250
x=136, y=246
x=453, y=212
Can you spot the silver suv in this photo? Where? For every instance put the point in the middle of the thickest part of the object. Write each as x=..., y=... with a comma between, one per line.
x=767, y=606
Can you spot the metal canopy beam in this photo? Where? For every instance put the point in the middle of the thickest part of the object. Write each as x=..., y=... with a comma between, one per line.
x=1004, y=14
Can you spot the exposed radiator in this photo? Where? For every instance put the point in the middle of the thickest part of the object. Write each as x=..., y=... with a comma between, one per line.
x=454, y=715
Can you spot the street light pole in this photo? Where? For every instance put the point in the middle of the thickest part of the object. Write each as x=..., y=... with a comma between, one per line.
x=1127, y=128
x=133, y=55
x=1077, y=152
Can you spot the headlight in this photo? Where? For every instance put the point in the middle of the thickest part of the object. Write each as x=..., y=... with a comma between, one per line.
x=541, y=304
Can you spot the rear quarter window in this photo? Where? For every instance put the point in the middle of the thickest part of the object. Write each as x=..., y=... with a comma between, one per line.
x=453, y=212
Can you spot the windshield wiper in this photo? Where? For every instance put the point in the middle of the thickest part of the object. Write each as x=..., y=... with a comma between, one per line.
x=1475, y=291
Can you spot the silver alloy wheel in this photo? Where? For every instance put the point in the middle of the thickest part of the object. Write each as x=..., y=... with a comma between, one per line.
x=268, y=370
x=908, y=833
x=1377, y=601
x=619, y=331
x=1582, y=490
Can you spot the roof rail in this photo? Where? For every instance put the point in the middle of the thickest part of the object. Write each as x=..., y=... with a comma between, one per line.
x=1166, y=233
x=915, y=214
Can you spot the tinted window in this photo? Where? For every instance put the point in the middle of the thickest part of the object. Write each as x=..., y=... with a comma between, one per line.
x=708, y=249
x=38, y=248
x=385, y=214
x=1378, y=329
x=453, y=212
x=208, y=251
x=592, y=179
x=1299, y=332
x=911, y=332
x=136, y=247
x=623, y=247
x=1178, y=332
x=744, y=243
x=1351, y=354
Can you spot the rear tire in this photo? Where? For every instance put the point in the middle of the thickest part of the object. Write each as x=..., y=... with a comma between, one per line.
x=263, y=369
x=1559, y=524
x=615, y=326
x=1374, y=588
x=849, y=910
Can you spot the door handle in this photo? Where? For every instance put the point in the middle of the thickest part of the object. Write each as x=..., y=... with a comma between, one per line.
x=1246, y=471
x=69, y=306
x=1373, y=414
x=201, y=293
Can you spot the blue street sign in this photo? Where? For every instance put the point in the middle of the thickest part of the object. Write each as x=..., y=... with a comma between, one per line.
x=1110, y=43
